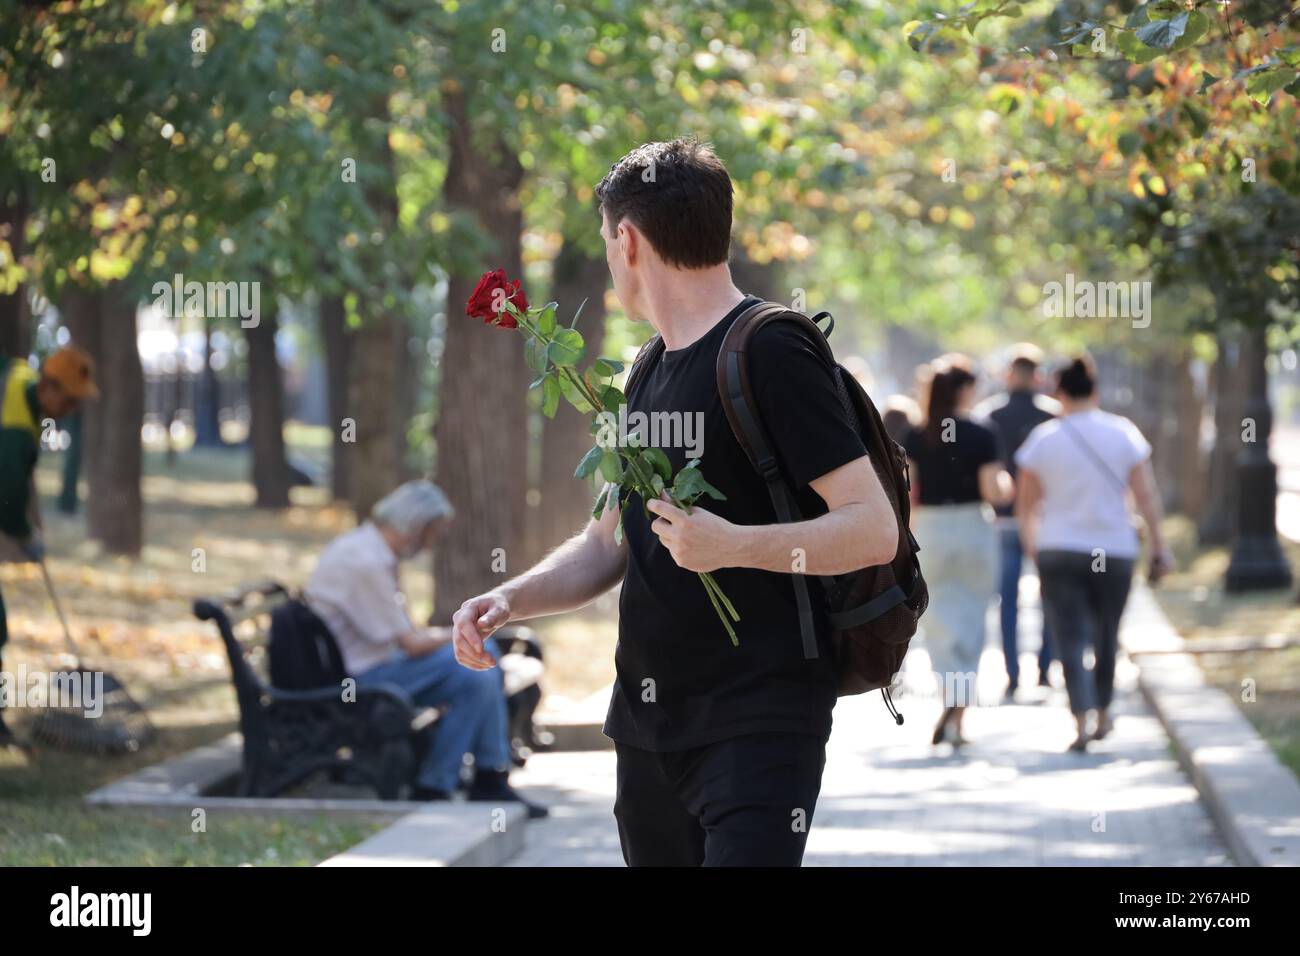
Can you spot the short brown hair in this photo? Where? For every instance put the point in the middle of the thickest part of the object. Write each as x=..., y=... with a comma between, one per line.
x=679, y=195
x=1026, y=358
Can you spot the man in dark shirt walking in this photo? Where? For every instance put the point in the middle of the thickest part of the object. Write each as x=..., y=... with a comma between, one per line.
x=1014, y=415
x=720, y=748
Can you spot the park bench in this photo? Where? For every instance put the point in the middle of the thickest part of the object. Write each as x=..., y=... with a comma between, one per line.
x=375, y=736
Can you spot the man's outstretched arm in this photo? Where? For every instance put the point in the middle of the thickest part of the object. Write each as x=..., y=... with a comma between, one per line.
x=575, y=573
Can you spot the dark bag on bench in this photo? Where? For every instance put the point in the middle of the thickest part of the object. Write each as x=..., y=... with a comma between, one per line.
x=303, y=652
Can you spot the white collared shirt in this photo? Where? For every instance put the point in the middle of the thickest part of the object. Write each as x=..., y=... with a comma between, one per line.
x=356, y=591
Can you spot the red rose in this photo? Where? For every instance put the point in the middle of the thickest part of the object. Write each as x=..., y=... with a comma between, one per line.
x=485, y=301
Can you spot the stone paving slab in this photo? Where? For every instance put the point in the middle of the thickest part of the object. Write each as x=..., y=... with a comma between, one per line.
x=1013, y=796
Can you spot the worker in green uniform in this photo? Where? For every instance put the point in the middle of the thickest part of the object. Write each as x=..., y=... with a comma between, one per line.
x=28, y=400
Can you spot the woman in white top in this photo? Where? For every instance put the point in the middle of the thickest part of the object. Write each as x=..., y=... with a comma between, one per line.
x=1073, y=507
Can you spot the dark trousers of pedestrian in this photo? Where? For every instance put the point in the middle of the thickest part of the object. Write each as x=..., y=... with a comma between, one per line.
x=745, y=801
x=1084, y=598
x=1011, y=566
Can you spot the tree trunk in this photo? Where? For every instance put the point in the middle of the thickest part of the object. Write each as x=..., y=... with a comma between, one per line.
x=373, y=416
x=207, y=410
x=1228, y=384
x=564, y=503
x=271, y=478
x=15, y=320
x=481, y=434
x=378, y=401
x=102, y=321
x=1174, y=437
x=338, y=352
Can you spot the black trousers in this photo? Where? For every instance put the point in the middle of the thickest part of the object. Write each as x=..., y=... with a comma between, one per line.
x=746, y=801
x=1083, y=608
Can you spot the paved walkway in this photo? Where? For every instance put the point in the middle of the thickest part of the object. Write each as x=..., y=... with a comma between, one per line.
x=1013, y=796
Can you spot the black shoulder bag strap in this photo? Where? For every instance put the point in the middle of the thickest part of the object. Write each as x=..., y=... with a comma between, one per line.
x=648, y=355
x=739, y=404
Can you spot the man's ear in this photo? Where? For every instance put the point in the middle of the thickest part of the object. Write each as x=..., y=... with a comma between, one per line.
x=629, y=241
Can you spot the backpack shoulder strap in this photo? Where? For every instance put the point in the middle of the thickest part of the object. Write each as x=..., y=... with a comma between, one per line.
x=736, y=390
x=645, y=358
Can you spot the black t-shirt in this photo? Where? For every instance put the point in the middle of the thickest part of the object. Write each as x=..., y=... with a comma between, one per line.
x=948, y=471
x=1013, y=417
x=681, y=683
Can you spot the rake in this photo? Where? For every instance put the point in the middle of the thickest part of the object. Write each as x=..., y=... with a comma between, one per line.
x=123, y=727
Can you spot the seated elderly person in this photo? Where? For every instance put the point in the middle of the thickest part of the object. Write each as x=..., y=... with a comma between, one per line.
x=355, y=590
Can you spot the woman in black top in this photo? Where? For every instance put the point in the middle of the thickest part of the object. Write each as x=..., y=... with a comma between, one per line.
x=955, y=470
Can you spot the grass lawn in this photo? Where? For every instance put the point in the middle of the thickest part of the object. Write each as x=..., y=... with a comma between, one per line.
x=1199, y=608
x=134, y=618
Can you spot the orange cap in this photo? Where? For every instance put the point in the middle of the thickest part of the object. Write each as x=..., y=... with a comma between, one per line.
x=74, y=370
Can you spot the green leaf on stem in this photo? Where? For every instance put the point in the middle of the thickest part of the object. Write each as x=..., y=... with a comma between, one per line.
x=546, y=321
x=535, y=354
x=550, y=396
x=599, y=509
x=574, y=394
x=616, y=365
x=713, y=492
x=611, y=466
x=603, y=369
x=1161, y=34
x=590, y=462
x=657, y=483
x=612, y=397
x=566, y=348
x=659, y=462
x=582, y=305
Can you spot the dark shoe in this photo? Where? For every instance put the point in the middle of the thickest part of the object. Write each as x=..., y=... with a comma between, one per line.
x=1079, y=746
x=941, y=728
x=428, y=794
x=493, y=786
x=1104, y=726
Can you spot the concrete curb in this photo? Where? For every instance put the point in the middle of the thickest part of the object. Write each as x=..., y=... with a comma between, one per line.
x=1253, y=799
x=455, y=834
x=578, y=726
x=184, y=783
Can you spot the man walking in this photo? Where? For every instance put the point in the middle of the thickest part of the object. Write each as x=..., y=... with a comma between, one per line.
x=720, y=748
x=27, y=399
x=1014, y=415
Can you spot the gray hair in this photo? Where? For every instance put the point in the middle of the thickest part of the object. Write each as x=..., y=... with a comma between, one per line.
x=412, y=507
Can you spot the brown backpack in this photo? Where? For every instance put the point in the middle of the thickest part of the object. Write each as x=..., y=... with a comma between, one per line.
x=873, y=612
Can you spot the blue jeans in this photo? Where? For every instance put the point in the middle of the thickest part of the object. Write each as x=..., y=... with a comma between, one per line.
x=1009, y=588
x=475, y=722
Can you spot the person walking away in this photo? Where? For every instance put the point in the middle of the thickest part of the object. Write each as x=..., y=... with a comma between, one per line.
x=1075, y=476
x=1013, y=415
x=900, y=414
x=955, y=470
x=27, y=400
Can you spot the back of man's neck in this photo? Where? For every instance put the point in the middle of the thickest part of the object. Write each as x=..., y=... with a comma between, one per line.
x=684, y=312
